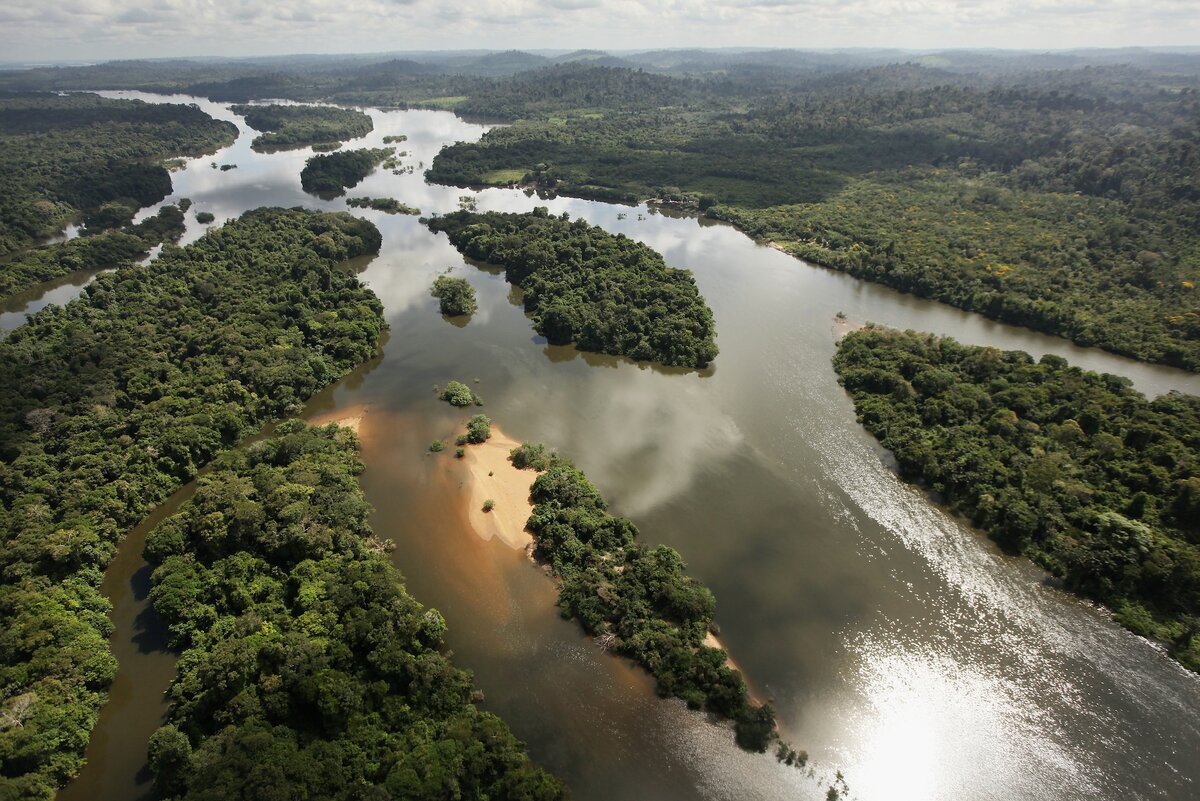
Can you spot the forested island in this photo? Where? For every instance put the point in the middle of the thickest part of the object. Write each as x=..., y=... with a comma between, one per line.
x=583, y=285
x=333, y=681
x=110, y=403
x=635, y=600
x=1075, y=469
x=455, y=295
x=62, y=158
x=288, y=127
x=388, y=205
x=331, y=174
x=90, y=252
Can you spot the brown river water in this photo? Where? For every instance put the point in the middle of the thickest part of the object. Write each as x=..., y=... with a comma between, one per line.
x=898, y=645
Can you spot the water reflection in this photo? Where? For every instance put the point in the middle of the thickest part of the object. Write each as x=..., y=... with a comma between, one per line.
x=896, y=643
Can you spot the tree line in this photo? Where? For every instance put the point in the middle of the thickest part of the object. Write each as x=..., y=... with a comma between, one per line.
x=1074, y=469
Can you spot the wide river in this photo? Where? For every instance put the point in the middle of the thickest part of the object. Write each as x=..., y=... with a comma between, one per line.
x=897, y=644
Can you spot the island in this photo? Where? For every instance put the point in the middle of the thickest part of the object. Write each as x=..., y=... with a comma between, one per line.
x=387, y=205
x=455, y=295
x=1072, y=468
x=289, y=127
x=331, y=174
x=605, y=293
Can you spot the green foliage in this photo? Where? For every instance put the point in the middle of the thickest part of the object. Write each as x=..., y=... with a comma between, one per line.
x=332, y=173
x=460, y=453
x=531, y=455
x=1065, y=201
x=455, y=295
x=489, y=505
x=479, y=429
x=112, y=401
x=62, y=157
x=636, y=600
x=385, y=204
x=605, y=293
x=205, y=217
x=437, y=446
x=290, y=127
x=1073, y=468
x=86, y=253
x=458, y=394
x=307, y=670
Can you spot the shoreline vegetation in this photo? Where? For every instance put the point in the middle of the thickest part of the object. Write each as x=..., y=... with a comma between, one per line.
x=329, y=175
x=91, y=251
x=633, y=600
x=113, y=401
x=387, y=205
x=294, y=127
x=582, y=285
x=334, y=679
x=1074, y=469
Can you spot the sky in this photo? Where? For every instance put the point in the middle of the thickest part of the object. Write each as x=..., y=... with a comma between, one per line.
x=76, y=30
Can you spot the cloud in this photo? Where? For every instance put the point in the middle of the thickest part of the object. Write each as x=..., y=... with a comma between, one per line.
x=102, y=29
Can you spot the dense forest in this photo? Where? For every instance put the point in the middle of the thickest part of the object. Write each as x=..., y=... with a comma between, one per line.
x=331, y=174
x=62, y=158
x=605, y=293
x=90, y=252
x=1056, y=191
x=333, y=684
x=635, y=600
x=110, y=403
x=1067, y=202
x=287, y=127
x=1073, y=468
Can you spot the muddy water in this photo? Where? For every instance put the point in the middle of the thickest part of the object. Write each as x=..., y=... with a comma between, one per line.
x=897, y=644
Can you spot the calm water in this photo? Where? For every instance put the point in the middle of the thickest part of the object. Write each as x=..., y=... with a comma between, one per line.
x=897, y=644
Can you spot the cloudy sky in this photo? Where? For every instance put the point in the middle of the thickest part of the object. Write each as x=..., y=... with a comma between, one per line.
x=106, y=29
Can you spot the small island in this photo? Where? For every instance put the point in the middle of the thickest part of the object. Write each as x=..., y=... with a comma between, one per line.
x=329, y=175
x=455, y=296
x=387, y=205
x=1074, y=469
x=605, y=293
x=289, y=127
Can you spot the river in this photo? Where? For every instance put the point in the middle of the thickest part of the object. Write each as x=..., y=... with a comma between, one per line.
x=898, y=645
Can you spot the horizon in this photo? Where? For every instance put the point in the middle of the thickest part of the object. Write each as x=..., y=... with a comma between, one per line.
x=558, y=53
x=94, y=31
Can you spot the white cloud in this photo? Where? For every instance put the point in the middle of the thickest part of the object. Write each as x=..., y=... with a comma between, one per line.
x=101, y=29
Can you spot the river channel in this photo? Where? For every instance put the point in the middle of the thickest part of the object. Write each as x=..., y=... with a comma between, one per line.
x=897, y=644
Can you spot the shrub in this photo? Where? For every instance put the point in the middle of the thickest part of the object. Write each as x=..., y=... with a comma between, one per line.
x=437, y=446
x=479, y=429
x=489, y=505
x=455, y=295
x=459, y=394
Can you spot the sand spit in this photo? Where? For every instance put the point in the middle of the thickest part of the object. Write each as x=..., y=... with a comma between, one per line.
x=491, y=476
x=351, y=418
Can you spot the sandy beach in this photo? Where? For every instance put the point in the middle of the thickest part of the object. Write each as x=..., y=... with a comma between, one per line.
x=351, y=418
x=491, y=476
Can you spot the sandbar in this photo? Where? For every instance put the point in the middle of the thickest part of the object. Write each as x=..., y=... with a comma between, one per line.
x=491, y=476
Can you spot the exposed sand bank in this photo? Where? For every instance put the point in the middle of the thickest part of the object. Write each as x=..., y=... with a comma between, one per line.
x=843, y=326
x=351, y=418
x=506, y=485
